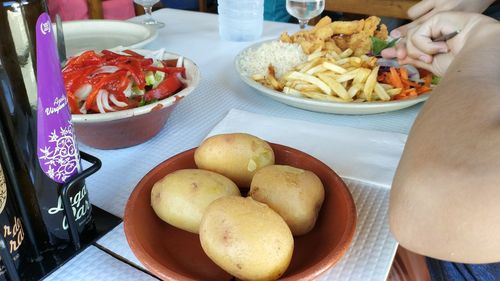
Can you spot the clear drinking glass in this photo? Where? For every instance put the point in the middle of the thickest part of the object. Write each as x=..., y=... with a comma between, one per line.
x=148, y=8
x=304, y=10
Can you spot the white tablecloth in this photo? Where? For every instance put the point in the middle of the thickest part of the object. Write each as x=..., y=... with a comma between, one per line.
x=195, y=35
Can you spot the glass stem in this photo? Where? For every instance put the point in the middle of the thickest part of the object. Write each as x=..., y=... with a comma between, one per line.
x=303, y=23
x=149, y=10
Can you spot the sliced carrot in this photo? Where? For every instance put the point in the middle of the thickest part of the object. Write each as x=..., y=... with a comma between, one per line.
x=382, y=77
x=398, y=78
x=401, y=96
x=404, y=74
x=394, y=78
x=408, y=83
x=411, y=92
x=428, y=79
x=423, y=89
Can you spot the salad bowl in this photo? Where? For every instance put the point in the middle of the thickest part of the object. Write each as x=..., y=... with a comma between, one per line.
x=135, y=125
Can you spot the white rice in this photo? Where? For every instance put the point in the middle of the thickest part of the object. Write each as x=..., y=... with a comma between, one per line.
x=283, y=56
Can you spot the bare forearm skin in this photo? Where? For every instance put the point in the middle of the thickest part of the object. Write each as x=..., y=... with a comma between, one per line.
x=445, y=198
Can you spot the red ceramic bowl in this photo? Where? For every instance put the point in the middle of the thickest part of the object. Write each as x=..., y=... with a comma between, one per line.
x=130, y=127
x=173, y=254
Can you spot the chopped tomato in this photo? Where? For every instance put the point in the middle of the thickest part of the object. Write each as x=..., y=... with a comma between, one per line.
x=122, y=76
x=165, y=89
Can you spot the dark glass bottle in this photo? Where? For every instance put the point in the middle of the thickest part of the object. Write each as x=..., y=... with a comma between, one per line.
x=36, y=120
x=11, y=229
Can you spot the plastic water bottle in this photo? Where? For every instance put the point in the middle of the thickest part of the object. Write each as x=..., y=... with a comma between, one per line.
x=240, y=20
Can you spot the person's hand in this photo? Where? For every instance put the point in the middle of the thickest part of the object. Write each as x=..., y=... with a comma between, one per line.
x=419, y=49
x=425, y=9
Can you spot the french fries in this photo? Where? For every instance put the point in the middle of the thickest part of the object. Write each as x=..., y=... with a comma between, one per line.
x=332, y=77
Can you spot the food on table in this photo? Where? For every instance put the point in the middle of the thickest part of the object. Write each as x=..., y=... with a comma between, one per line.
x=181, y=197
x=282, y=56
x=246, y=238
x=339, y=35
x=295, y=194
x=237, y=156
x=111, y=81
x=337, y=67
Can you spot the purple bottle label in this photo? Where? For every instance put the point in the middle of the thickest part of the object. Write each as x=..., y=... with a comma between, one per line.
x=57, y=151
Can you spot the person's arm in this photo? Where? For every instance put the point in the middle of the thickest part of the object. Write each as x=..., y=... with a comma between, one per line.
x=445, y=197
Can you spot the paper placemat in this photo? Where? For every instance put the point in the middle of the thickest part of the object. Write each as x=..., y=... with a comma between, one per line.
x=365, y=155
x=93, y=264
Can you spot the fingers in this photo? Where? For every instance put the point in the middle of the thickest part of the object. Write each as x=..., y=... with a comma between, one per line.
x=418, y=47
x=424, y=43
x=438, y=66
x=420, y=9
x=401, y=51
x=417, y=54
x=398, y=52
x=389, y=53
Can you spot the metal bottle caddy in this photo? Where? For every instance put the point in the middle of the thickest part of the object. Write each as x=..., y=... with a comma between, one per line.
x=45, y=262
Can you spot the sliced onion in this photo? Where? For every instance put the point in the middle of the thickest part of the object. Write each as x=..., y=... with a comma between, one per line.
x=99, y=102
x=180, y=63
x=83, y=109
x=83, y=92
x=107, y=69
x=105, y=101
x=117, y=102
x=387, y=62
x=183, y=81
x=413, y=73
x=128, y=91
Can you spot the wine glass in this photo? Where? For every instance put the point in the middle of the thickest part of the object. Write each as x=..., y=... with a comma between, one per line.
x=148, y=8
x=304, y=10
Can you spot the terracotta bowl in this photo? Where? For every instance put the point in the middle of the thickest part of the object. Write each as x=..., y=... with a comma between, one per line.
x=174, y=254
x=130, y=127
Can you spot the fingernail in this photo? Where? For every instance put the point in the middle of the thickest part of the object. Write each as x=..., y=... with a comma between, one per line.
x=395, y=33
x=425, y=59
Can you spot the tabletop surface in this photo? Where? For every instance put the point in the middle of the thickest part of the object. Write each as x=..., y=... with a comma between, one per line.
x=194, y=35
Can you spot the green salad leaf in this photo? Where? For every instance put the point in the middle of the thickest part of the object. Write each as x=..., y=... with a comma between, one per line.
x=143, y=102
x=435, y=80
x=378, y=45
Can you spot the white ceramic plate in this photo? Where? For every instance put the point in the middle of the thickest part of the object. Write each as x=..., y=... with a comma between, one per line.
x=324, y=106
x=105, y=34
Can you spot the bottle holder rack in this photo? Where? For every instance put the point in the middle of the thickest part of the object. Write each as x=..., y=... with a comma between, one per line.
x=47, y=261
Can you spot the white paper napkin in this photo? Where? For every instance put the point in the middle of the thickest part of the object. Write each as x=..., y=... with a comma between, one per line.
x=368, y=156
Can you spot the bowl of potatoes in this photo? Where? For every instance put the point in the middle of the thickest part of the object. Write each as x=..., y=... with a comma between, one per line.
x=240, y=208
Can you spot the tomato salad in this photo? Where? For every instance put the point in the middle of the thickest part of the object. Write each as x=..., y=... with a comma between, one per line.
x=110, y=81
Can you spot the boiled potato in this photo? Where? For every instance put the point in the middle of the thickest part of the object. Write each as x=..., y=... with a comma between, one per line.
x=181, y=197
x=246, y=238
x=295, y=194
x=237, y=156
